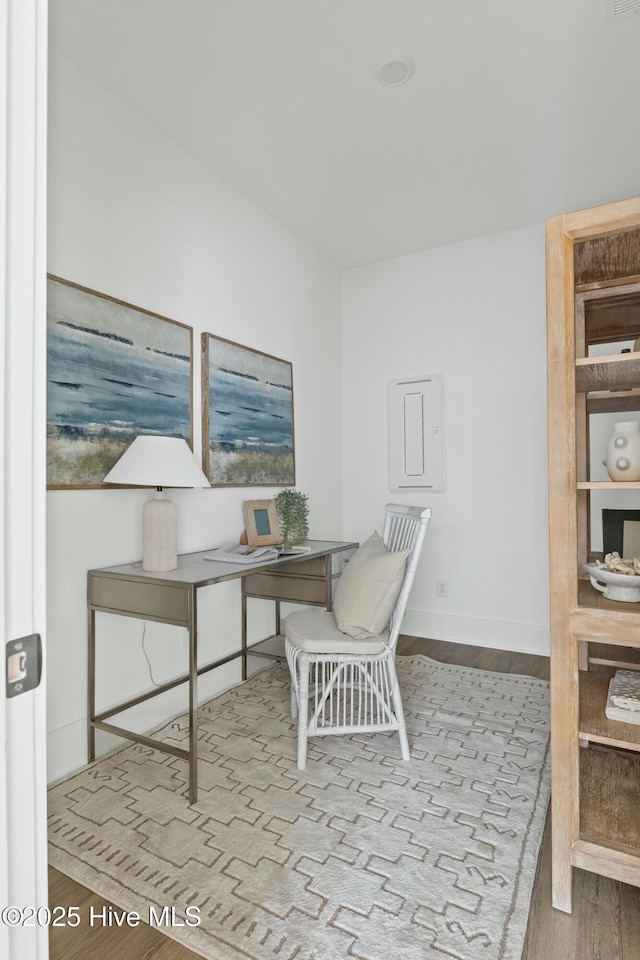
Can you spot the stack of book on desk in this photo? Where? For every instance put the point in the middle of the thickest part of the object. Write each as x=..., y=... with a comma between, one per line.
x=623, y=702
x=241, y=553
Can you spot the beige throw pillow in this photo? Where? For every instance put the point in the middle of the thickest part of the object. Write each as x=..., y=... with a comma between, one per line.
x=369, y=588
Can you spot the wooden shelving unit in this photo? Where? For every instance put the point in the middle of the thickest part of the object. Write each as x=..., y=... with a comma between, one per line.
x=593, y=297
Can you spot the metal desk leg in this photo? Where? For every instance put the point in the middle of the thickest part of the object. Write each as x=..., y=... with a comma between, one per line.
x=193, y=698
x=91, y=685
x=244, y=631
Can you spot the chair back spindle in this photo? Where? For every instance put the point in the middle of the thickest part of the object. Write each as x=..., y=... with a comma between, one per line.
x=404, y=529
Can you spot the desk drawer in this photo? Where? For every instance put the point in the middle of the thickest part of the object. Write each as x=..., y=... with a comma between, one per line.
x=148, y=600
x=276, y=587
x=314, y=567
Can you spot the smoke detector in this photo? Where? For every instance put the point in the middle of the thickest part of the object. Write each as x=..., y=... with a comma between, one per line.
x=396, y=70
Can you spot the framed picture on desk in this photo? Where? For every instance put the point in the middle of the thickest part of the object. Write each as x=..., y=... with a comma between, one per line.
x=261, y=523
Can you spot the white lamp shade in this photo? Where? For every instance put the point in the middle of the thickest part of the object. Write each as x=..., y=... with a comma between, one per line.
x=158, y=462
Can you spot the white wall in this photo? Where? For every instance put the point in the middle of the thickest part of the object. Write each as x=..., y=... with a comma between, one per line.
x=475, y=313
x=134, y=216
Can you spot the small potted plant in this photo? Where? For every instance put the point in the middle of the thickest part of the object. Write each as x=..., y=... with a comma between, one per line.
x=293, y=517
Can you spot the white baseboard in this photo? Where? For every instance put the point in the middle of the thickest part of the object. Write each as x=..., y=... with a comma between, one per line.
x=66, y=749
x=67, y=744
x=497, y=634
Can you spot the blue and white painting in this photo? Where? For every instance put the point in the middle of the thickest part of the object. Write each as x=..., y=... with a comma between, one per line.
x=247, y=416
x=113, y=372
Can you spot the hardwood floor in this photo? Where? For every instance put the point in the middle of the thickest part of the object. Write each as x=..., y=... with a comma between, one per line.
x=604, y=925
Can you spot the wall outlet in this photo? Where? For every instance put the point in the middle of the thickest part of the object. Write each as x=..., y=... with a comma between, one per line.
x=442, y=588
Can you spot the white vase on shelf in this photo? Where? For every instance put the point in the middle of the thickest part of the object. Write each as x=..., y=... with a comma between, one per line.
x=622, y=458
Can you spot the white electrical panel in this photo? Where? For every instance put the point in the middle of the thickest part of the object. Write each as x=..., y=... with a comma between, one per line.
x=416, y=433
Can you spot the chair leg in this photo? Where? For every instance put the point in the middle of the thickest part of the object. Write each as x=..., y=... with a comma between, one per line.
x=303, y=710
x=399, y=711
x=292, y=660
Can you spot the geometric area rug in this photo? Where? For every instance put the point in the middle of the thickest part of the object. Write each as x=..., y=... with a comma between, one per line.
x=360, y=856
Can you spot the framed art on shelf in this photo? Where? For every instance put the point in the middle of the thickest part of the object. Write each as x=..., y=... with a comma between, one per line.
x=247, y=416
x=113, y=371
x=621, y=532
x=261, y=523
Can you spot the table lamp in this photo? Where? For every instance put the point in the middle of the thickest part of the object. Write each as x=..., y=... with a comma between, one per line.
x=158, y=462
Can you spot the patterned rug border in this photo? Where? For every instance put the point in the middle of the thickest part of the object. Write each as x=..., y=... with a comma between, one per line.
x=116, y=891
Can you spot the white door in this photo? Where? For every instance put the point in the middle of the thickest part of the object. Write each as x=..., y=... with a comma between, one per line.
x=23, y=95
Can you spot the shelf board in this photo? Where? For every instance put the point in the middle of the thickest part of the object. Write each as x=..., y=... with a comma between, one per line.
x=618, y=371
x=604, y=621
x=609, y=794
x=594, y=725
x=607, y=485
x=613, y=401
x=607, y=284
x=591, y=598
x=604, y=654
x=608, y=861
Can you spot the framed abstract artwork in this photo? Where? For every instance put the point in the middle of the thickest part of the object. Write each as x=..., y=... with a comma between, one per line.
x=247, y=416
x=113, y=371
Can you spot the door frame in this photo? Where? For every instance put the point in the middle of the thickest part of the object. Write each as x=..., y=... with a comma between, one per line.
x=23, y=158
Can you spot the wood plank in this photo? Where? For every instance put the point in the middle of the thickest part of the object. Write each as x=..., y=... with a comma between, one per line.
x=561, y=405
x=481, y=658
x=611, y=315
x=613, y=401
x=617, y=371
x=595, y=726
x=103, y=942
x=604, y=626
x=606, y=284
x=607, y=485
x=609, y=807
x=612, y=318
x=607, y=218
x=591, y=601
x=605, y=257
x=603, y=653
x=613, y=862
x=604, y=925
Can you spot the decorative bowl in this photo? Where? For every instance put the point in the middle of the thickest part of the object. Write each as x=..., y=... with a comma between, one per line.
x=614, y=586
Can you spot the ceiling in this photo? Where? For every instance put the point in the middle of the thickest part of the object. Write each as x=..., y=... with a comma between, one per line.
x=517, y=110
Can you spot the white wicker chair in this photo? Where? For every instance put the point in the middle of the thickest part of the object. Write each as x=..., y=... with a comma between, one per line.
x=346, y=685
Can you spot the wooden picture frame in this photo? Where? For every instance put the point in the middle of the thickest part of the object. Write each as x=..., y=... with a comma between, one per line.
x=114, y=371
x=613, y=529
x=247, y=416
x=261, y=523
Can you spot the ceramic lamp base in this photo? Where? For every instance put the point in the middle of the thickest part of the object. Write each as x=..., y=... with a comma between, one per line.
x=159, y=536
